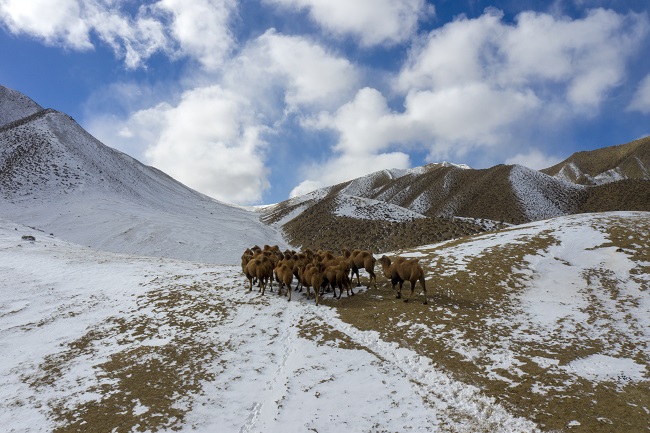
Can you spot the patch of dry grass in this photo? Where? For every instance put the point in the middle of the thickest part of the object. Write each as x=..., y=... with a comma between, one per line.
x=157, y=360
x=469, y=331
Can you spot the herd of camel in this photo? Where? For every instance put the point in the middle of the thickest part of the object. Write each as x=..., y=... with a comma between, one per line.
x=323, y=271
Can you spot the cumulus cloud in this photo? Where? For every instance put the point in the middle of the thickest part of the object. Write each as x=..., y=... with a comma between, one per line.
x=53, y=21
x=534, y=158
x=474, y=83
x=468, y=83
x=301, y=71
x=346, y=167
x=641, y=99
x=214, y=138
x=198, y=29
x=201, y=28
x=365, y=124
x=577, y=61
x=372, y=22
x=209, y=142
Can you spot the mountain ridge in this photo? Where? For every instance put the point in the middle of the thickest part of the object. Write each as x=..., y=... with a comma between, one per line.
x=15, y=106
x=459, y=200
x=607, y=164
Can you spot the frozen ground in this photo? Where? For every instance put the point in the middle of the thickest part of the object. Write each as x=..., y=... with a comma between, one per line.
x=103, y=341
x=91, y=340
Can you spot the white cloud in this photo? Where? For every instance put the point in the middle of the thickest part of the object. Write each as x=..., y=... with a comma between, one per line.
x=201, y=28
x=473, y=114
x=583, y=58
x=213, y=137
x=346, y=167
x=209, y=142
x=534, y=159
x=365, y=124
x=300, y=70
x=442, y=122
x=373, y=22
x=198, y=29
x=641, y=100
x=452, y=55
x=53, y=21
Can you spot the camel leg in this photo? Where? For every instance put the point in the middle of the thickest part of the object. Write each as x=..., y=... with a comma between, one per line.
x=372, y=277
x=412, y=291
x=352, y=273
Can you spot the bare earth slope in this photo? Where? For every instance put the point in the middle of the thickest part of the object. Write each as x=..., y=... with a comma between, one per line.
x=609, y=164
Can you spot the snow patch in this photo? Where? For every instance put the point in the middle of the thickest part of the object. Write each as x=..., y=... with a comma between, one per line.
x=601, y=368
x=535, y=192
x=369, y=209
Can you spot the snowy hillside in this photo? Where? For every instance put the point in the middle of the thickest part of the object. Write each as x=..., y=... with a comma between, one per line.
x=369, y=209
x=606, y=165
x=56, y=177
x=542, y=196
x=539, y=327
x=15, y=106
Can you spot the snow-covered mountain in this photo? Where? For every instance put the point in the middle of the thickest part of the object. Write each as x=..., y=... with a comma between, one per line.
x=391, y=208
x=455, y=200
x=15, y=106
x=56, y=177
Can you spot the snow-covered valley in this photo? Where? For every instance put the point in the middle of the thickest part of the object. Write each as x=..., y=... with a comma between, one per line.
x=98, y=341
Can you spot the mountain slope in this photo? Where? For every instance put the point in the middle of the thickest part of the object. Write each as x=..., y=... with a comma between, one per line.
x=58, y=178
x=399, y=208
x=425, y=205
x=609, y=164
x=550, y=317
x=15, y=106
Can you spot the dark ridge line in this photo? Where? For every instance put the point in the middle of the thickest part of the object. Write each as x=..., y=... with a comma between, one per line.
x=27, y=119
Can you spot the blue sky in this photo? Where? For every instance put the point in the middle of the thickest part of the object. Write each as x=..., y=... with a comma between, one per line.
x=253, y=101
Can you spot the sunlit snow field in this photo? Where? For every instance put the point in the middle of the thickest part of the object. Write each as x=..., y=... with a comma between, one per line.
x=91, y=340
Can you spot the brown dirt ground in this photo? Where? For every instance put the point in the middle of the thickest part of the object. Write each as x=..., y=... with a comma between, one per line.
x=474, y=305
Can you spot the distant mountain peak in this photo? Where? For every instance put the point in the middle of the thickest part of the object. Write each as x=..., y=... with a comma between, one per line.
x=606, y=165
x=444, y=164
x=15, y=106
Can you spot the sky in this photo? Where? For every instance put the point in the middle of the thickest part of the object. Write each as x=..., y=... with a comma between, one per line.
x=255, y=101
